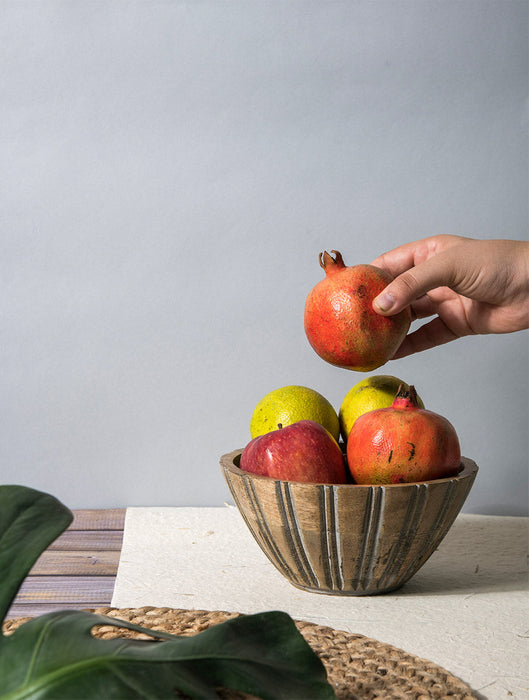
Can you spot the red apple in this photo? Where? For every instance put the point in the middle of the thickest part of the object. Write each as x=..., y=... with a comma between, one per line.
x=302, y=451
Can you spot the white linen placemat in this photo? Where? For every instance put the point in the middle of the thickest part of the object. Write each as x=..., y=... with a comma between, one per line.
x=467, y=609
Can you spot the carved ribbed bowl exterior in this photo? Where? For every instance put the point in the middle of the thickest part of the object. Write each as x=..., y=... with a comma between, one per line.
x=347, y=539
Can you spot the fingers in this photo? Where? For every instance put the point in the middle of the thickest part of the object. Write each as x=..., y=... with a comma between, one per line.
x=417, y=267
x=424, y=307
x=437, y=271
x=405, y=256
x=402, y=258
x=431, y=334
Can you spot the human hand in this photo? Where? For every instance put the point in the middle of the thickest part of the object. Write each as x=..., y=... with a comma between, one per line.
x=470, y=286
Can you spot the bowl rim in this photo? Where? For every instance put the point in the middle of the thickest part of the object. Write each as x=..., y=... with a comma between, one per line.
x=468, y=469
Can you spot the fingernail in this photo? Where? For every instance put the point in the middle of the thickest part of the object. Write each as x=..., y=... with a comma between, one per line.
x=384, y=302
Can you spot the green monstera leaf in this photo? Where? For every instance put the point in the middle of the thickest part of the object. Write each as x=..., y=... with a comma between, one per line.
x=55, y=656
x=29, y=522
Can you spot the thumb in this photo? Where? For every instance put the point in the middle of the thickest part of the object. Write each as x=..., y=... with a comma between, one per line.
x=438, y=271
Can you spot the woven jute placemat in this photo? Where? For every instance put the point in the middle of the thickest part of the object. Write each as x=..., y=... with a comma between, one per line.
x=358, y=668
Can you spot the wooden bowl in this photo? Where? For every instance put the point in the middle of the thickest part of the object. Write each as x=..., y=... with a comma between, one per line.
x=347, y=539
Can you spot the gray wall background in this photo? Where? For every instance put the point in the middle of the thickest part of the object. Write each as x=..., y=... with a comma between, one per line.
x=170, y=172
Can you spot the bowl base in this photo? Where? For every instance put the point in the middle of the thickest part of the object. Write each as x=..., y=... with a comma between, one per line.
x=347, y=592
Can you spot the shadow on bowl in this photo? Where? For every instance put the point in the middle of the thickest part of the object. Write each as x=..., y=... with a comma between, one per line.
x=347, y=539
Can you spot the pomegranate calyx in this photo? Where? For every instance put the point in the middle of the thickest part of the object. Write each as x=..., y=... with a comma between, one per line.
x=331, y=264
x=406, y=398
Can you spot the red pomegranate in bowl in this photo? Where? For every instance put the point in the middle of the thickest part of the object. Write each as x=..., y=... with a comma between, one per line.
x=402, y=444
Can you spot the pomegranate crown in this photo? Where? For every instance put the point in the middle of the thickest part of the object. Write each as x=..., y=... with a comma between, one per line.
x=330, y=263
x=406, y=397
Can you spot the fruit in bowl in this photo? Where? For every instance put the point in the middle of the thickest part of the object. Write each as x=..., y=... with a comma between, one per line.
x=290, y=404
x=302, y=451
x=375, y=392
x=340, y=322
x=402, y=443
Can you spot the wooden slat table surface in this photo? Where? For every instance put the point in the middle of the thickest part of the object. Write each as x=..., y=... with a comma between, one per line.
x=78, y=570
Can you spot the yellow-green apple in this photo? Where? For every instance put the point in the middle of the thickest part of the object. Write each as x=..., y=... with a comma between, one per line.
x=302, y=451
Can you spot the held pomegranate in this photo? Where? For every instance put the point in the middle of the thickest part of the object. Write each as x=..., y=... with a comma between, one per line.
x=401, y=444
x=340, y=322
